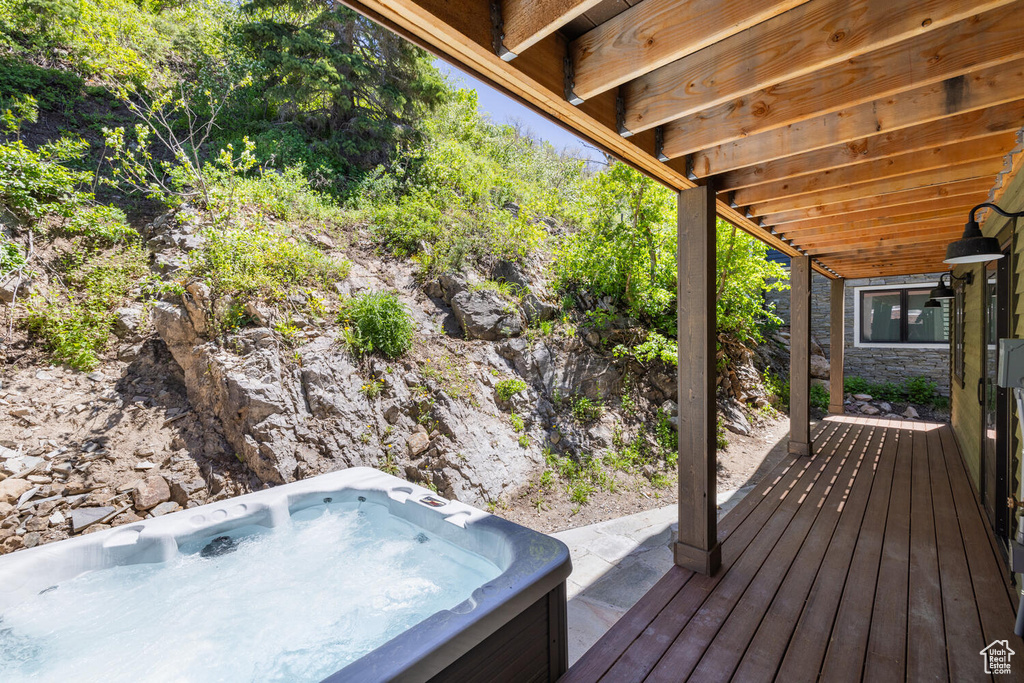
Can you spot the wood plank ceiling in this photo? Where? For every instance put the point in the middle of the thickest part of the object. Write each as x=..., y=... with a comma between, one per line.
x=857, y=132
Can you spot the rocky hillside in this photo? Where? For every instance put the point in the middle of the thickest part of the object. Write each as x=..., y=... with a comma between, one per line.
x=505, y=399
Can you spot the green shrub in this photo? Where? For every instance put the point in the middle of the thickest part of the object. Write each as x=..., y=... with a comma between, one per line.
x=105, y=224
x=920, y=390
x=76, y=325
x=11, y=257
x=507, y=388
x=261, y=262
x=586, y=410
x=855, y=385
x=819, y=397
x=377, y=323
x=36, y=183
x=886, y=391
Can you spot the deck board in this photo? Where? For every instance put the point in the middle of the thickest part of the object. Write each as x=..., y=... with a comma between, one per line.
x=869, y=561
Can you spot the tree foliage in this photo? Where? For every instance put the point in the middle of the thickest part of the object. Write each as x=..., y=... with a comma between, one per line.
x=329, y=77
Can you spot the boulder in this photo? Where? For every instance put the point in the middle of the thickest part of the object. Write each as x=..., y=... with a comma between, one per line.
x=483, y=314
x=150, y=492
x=819, y=367
x=911, y=413
x=733, y=418
x=417, y=443
x=127, y=321
x=12, y=489
x=870, y=410
x=862, y=397
x=17, y=288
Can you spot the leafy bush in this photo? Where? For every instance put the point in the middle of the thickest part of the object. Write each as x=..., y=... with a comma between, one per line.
x=819, y=397
x=11, y=257
x=106, y=224
x=261, y=262
x=586, y=410
x=886, y=391
x=76, y=325
x=654, y=347
x=382, y=324
x=855, y=385
x=920, y=390
x=507, y=388
x=36, y=183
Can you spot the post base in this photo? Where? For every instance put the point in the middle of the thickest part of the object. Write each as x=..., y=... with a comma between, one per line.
x=797, y=448
x=699, y=560
x=837, y=410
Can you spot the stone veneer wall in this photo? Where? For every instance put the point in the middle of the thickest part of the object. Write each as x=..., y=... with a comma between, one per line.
x=890, y=364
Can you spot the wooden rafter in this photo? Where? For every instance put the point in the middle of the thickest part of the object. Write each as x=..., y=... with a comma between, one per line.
x=973, y=125
x=528, y=21
x=815, y=49
x=886, y=202
x=853, y=237
x=993, y=147
x=728, y=146
x=654, y=33
x=986, y=168
x=825, y=250
x=904, y=213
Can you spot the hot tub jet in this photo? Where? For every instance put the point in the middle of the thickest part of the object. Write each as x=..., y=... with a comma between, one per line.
x=219, y=546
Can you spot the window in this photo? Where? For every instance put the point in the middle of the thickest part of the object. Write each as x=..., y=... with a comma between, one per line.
x=890, y=316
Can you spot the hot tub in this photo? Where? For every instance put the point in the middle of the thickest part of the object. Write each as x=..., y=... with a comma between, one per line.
x=350, y=576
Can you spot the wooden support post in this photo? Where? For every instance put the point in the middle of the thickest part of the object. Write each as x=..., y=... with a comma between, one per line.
x=697, y=547
x=800, y=356
x=837, y=345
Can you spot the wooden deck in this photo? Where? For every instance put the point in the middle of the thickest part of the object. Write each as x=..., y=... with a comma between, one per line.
x=870, y=561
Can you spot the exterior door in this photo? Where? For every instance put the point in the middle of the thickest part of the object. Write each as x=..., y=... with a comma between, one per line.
x=996, y=459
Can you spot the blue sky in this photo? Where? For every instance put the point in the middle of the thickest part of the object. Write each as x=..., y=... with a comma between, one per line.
x=503, y=109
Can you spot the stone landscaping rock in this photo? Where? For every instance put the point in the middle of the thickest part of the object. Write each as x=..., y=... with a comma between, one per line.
x=183, y=489
x=127, y=321
x=417, y=443
x=870, y=410
x=83, y=517
x=862, y=397
x=819, y=367
x=483, y=314
x=885, y=407
x=165, y=508
x=152, y=491
x=911, y=413
x=12, y=489
x=32, y=539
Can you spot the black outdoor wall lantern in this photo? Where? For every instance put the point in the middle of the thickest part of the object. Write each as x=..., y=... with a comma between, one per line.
x=974, y=247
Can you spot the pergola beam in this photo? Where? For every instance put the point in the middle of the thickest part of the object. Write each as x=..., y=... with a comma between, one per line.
x=974, y=43
x=986, y=168
x=886, y=201
x=730, y=146
x=877, y=238
x=971, y=126
x=654, y=33
x=838, y=249
x=909, y=221
x=528, y=21
x=993, y=147
x=897, y=215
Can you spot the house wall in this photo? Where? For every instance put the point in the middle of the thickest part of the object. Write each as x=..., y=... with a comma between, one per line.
x=967, y=413
x=876, y=364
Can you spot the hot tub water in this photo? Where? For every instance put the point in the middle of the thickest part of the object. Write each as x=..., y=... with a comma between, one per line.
x=295, y=603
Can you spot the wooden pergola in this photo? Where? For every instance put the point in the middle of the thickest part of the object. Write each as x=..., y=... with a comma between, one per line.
x=852, y=135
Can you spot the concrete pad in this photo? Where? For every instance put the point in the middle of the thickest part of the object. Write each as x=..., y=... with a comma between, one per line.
x=615, y=562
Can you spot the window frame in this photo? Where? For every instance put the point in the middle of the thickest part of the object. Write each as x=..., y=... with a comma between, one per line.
x=957, y=316
x=903, y=290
